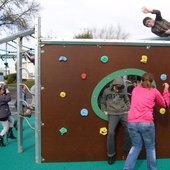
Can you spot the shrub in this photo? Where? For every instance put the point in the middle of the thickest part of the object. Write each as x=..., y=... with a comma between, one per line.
x=12, y=78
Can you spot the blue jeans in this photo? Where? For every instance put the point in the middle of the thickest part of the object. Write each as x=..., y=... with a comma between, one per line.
x=114, y=120
x=139, y=133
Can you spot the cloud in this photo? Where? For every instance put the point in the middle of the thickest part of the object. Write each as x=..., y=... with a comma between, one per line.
x=64, y=18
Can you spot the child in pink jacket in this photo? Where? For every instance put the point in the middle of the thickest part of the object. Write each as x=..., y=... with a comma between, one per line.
x=140, y=120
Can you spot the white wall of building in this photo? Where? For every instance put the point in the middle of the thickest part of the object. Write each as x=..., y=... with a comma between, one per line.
x=25, y=64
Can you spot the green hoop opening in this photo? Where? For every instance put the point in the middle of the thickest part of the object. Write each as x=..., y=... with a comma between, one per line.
x=104, y=82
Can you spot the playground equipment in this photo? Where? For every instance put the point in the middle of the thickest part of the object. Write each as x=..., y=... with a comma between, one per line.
x=73, y=74
x=69, y=77
x=19, y=55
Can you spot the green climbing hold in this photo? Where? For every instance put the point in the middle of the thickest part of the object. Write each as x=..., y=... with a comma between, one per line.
x=104, y=59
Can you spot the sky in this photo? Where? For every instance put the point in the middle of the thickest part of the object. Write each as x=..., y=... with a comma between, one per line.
x=64, y=18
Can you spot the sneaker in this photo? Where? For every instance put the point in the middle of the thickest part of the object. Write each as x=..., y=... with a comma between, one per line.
x=111, y=159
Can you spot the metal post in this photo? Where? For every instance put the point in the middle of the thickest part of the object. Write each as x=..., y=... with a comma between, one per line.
x=6, y=66
x=19, y=95
x=37, y=94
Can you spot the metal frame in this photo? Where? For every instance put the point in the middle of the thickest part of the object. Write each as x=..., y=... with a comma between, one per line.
x=38, y=158
x=13, y=37
x=37, y=91
x=100, y=42
x=19, y=38
x=19, y=95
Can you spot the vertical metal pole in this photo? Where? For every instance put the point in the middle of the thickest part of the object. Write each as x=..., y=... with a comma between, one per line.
x=19, y=97
x=6, y=69
x=37, y=94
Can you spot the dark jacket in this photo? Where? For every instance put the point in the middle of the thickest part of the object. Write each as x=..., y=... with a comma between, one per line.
x=4, y=107
x=115, y=103
x=161, y=25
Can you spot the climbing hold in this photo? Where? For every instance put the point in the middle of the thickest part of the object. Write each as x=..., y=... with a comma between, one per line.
x=62, y=94
x=104, y=59
x=163, y=77
x=144, y=59
x=42, y=88
x=103, y=131
x=162, y=111
x=62, y=58
x=84, y=112
x=83, y=76
x=148, y=47
x=63, y=130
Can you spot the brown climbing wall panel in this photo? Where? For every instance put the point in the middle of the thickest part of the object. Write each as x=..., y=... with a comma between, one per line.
x=61, y=69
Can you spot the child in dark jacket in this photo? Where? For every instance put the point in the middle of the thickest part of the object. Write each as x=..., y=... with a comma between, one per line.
x=5, y=113
x=115, y=103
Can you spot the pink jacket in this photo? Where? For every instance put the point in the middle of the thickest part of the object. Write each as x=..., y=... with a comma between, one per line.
x=143, y=101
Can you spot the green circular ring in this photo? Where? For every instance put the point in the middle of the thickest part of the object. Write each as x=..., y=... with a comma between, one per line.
x=106, y=80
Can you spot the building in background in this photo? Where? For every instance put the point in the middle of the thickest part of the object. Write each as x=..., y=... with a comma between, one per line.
x=28, y=71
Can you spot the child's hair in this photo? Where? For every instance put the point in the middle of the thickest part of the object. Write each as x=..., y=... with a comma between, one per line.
x=145, y=19
x=147, y=80
x=2, y=86
x=119, y=86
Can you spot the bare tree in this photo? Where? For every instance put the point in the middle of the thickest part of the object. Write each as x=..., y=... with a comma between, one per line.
x=105, y=33
x=17, y=14
x=110, y=33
